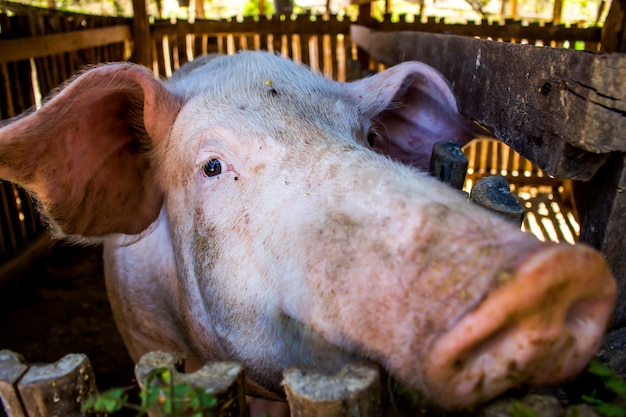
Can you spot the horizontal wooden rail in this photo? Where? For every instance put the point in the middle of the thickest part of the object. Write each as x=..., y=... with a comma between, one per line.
x=46, y=45
x=509, y=30
x=302, y=25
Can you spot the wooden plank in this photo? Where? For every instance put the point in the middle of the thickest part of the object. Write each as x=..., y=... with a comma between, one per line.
x=40, y=46
x=604, y=223
x=564, y=110
x=266, y=26
x=510, y=30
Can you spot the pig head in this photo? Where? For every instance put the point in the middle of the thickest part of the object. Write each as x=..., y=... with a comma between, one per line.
x=253, y=210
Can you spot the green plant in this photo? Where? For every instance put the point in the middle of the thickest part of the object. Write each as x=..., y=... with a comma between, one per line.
x=519, y=409
x=159, y=394
x=613, y=383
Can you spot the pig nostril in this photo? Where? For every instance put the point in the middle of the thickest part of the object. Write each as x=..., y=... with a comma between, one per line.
x=578, y=312
x=582, y=321
x=539, y=326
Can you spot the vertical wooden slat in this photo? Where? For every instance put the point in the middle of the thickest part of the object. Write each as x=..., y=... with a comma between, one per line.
x=10, y=219
x=263, y=41
x=304, y=49
x=141, y=31
x=181, y=51
x=277, y=43
x=160, y=56
x=319, y=45
x=333, y=57
x=6, y=99
x=240, y=42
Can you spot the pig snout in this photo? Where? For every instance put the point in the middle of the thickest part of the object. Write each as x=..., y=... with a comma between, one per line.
x=541, y=325
x=452, y=301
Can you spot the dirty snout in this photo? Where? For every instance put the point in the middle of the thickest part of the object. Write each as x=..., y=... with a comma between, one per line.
x=542, y=325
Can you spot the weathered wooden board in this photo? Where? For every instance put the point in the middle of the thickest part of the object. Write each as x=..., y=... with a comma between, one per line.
x=39, y=46
x=604, y=224
x=353, y=391
x=302, y=24
x=510, y=30
x=565, y=110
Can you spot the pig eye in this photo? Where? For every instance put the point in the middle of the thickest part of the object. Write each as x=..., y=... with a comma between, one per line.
x=372, y=136
x=212, y=168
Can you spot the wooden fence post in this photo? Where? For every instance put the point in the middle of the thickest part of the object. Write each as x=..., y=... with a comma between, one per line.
x=142, y=51
x=448, y=164
x=355, y=391
x=56, y=389
x=603, y=224
x=223, y=379
x=494, y=194
x=12, y=367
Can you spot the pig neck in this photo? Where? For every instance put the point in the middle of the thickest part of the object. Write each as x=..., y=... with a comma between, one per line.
x=142, y=285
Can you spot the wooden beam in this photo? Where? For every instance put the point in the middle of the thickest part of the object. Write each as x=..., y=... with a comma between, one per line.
x=562, y=109
x=511, y=31
x=604, y=223
x=39, y=46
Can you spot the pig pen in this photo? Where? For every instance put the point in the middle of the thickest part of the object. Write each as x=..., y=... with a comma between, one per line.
x=58, y=306
x=67, y=311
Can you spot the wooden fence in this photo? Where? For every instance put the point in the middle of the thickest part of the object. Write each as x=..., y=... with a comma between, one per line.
x=61, y=388
x=358, y=389
x=41, y=48
x=319, y=42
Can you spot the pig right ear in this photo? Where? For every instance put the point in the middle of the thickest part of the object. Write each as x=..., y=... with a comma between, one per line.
x=85, y=154
x=411, y=106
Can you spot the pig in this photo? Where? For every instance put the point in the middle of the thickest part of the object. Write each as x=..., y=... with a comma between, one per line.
x=252, y=210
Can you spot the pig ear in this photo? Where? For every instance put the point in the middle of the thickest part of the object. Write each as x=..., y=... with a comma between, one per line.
x=412, y=107
x=85, y=153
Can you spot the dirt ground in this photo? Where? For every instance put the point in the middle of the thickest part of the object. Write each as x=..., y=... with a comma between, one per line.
x=60, y=306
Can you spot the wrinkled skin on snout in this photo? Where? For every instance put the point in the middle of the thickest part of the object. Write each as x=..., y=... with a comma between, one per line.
x=253, y=210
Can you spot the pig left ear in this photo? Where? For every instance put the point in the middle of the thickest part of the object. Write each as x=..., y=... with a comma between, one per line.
x=86, y=155
x=411, y=106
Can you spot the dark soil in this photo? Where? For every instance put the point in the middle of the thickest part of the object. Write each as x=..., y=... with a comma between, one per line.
x=60, y=306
